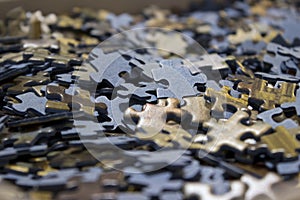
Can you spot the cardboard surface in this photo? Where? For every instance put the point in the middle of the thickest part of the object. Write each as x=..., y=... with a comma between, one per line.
x=117, y=6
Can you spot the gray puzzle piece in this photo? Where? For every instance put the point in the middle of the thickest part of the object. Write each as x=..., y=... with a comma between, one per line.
x=115, y=108
x=192, y=170
x=151, y=161
x=250, y=47
x=267, y=116
x=52, y=180
x=180, y=81
x=65, y=78
x=281, y=77
x=171, y=195
x=215, y=178
x=83, y=128
x=121, y=21
x=169, y=157
x=131, y=196
x=277, y=60
x=91, y=175
x=8, y=153
x=139, y=91
x=3, y=120
x=150, y=183
x=230, y=84
x=149, y=64
x=102, y=141
x=29, y=101
x=294, y=51
x=287, y=168
x=291, y=66
x=108, y=66
x=291, y=27
x=295, y=104
x=120, y=102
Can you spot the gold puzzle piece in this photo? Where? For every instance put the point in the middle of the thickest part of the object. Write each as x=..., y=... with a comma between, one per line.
x=82, y=98
x=171, y=135
x=198, y=108
x=228, y=133
x=223, y=98
x=260, y=89
x=282, y=141
x=25, y=83
x=154, y=117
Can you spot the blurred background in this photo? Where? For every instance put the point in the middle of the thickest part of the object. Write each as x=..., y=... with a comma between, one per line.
x=132, y=6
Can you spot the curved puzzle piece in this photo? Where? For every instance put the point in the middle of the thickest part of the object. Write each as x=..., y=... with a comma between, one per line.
x=197, y=107
x=180, y=81
x=295, y=104
x=259, y=89
x=203, y=191
x=267, y=117
x=257, y=187
x=288, y=168
x=154, y=117
x=151, y=187
x=223, y=101
x=227, y=133
x=81, y=97
x=282, y=142
x=108, y=66
x=29, y=101
x=172, y=136
x=275, y=61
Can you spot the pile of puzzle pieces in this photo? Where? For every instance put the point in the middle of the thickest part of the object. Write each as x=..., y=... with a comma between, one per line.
x=210, y=111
